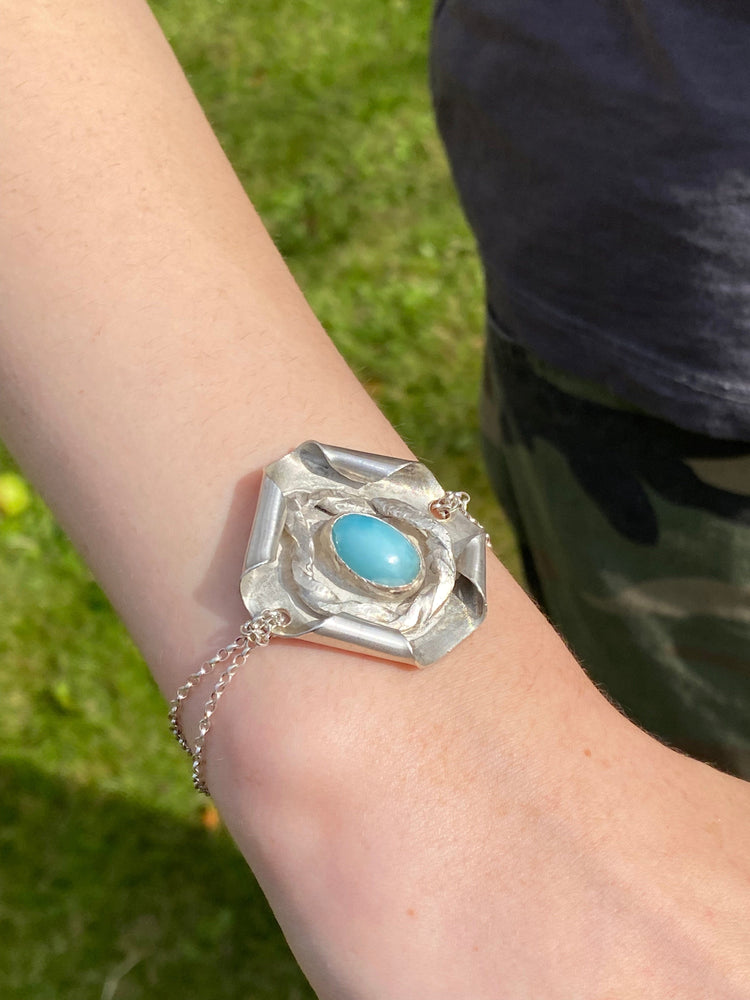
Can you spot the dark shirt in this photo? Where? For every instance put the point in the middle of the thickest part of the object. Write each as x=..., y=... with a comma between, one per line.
x=601, y=149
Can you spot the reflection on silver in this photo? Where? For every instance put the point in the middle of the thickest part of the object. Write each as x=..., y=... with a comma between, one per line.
x=290, y=562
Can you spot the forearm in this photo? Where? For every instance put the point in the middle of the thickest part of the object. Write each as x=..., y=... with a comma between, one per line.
x=156, y=351
x=155, y=355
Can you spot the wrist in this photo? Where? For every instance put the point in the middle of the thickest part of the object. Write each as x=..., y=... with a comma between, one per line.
x=495, y=801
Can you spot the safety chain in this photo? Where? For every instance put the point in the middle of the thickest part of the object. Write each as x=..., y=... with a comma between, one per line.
x=255, y=632
x=453, y=501
x=448, y=504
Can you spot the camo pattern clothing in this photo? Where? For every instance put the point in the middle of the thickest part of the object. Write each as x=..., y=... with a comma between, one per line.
x=635, y=536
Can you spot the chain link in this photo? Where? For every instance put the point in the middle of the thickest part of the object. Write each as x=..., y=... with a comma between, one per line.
x=255, y=632
x=453, y=501
x=448, y=504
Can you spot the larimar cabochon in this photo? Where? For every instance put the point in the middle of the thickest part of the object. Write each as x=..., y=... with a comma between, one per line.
x=375, y=551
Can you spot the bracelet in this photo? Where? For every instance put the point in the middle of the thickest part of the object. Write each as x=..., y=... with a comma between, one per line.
x=359, y=551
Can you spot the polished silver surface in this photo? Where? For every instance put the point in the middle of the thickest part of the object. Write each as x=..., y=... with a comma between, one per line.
x=289, y=565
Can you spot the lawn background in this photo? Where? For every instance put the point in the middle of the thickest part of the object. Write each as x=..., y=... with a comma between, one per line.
x=114, y=882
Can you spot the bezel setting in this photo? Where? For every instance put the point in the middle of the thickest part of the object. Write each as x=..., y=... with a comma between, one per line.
x=291, y=561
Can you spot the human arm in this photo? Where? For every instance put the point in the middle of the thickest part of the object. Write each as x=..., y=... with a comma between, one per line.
x=178, y=356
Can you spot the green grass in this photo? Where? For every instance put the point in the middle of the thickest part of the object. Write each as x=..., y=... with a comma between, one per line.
x=112, y=884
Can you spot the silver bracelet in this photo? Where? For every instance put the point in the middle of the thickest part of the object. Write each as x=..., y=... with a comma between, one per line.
x=360, y=551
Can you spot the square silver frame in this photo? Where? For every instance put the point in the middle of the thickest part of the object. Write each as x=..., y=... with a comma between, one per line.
x=314, y=466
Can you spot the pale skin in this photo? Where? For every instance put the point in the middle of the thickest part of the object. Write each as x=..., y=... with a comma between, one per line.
x=490, y=828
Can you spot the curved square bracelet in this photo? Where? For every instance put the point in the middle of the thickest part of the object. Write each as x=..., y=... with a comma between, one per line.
x=359, y=551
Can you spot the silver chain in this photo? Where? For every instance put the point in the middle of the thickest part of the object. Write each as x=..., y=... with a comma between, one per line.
x=452, y=501
x=449, y=503
x=255, y=632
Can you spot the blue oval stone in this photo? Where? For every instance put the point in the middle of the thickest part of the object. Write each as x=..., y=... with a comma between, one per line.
x=375, y=550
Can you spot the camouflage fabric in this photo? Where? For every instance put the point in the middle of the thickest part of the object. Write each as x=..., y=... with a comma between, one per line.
x=635, y=536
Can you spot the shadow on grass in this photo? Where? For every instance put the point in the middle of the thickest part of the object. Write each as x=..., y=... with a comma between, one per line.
x=104, y=898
